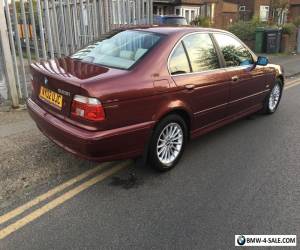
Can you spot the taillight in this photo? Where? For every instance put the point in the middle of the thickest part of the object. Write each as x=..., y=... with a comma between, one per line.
x=87, y=108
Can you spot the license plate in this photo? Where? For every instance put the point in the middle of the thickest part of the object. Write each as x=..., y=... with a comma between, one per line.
x=51, y=97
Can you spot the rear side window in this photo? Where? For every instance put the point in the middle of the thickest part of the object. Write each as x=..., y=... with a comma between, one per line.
x=201, y=52
x=234, y=52
x=179, y=63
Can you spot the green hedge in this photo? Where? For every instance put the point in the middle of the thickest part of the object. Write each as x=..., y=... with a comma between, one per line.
x=246, y=30
x=243, y=30
x=289, y=29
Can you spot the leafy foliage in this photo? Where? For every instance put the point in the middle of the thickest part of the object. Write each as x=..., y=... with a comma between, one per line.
x=289, y=29
x=296, y=21
x=201, y=21
x=245, y=30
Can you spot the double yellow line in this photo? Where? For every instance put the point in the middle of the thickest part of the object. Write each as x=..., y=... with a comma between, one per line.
x=57, y=201
x=292, y=83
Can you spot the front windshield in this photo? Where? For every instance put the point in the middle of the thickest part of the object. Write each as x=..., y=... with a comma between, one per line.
x=122, y=50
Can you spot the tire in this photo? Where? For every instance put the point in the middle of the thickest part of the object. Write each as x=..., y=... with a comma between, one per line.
x=168, y=142
x=273, y=99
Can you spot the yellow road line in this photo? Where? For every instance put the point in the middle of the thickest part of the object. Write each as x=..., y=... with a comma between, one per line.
x=60, y=200
x=293, y=84
x=50, y=193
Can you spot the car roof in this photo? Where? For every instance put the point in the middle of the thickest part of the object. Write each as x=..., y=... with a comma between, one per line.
x=168, y=30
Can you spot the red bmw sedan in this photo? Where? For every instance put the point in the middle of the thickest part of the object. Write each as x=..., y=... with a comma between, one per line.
x=147, y=91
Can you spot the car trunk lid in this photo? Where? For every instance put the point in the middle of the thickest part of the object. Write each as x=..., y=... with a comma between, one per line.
x=56, y=82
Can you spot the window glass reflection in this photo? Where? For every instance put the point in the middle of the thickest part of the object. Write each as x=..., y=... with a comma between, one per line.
x=201, y=52
x=178, y=62
x=235, y=53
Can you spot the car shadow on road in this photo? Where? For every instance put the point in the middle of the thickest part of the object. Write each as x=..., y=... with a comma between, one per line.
x=140, y=174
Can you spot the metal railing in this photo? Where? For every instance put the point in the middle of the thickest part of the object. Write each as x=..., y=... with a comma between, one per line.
x=3, y=88
x=41, y=29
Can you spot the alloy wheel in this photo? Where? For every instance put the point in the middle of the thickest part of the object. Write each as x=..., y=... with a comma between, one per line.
x=274, y=97
x=169, y=144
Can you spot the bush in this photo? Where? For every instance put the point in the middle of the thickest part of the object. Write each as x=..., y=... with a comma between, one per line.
x=296, y=21
x=289, y=29
x=201, y=21
x=243, y=30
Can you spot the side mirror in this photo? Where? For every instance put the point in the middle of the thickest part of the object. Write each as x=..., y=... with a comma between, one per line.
x=262, y=61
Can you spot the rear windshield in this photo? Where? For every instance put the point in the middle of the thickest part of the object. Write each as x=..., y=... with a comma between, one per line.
x=122, y=50
x=175, y=20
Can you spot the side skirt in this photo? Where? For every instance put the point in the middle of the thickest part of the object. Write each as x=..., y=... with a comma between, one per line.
x=203, y=130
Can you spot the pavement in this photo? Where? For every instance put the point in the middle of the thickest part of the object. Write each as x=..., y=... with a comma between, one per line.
x=28, y=160
x=290, y=63
x=240, y=179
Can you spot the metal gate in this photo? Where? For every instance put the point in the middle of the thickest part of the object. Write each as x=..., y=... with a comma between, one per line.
x=3, y=89
x=42, y=29
x=298, y=41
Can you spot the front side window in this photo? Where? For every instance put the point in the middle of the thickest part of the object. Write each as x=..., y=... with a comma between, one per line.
x=201, y=52
x=122, y=50
x=235, y=53
x=179, y=63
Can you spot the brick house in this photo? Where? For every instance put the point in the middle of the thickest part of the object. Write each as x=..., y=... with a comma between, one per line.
x=263, y=9
x=224, y=12
x=220, y=12
x=250, y=8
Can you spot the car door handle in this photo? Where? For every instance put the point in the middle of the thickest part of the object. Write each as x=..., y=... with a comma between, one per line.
x=190, y=86
x=235, y=78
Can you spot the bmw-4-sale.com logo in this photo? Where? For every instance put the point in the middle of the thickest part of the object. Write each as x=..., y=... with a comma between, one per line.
x=241, y=240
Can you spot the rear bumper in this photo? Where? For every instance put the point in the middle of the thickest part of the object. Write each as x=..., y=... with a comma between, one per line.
x=115, y=144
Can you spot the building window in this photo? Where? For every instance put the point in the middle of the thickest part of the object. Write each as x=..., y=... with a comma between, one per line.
x=208, y=12
x=242, y=8
x=192, y=15
x=264, y=13
x=187, y=15
x=160, y=11
x=202, y=10
x=165, y=10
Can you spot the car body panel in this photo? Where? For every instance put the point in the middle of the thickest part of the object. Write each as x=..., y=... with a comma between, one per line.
x=209, y=97
x=252, y=87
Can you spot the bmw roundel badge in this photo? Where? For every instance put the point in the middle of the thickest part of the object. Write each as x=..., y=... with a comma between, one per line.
x=241, y=240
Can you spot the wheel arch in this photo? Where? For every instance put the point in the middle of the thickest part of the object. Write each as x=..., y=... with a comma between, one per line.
x=176, y=107
x=182, y=110
x=281, y=78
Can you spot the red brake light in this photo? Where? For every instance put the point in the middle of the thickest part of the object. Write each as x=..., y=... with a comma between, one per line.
x=87, y=108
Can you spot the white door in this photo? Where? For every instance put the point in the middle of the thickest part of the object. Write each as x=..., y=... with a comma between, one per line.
x=264, y=13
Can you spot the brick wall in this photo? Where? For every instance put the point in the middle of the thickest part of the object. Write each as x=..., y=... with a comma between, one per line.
x=294, y=12
x=288, y=43
x=225, y=13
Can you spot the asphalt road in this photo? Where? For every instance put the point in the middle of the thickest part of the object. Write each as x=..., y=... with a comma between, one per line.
x=241, y=179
